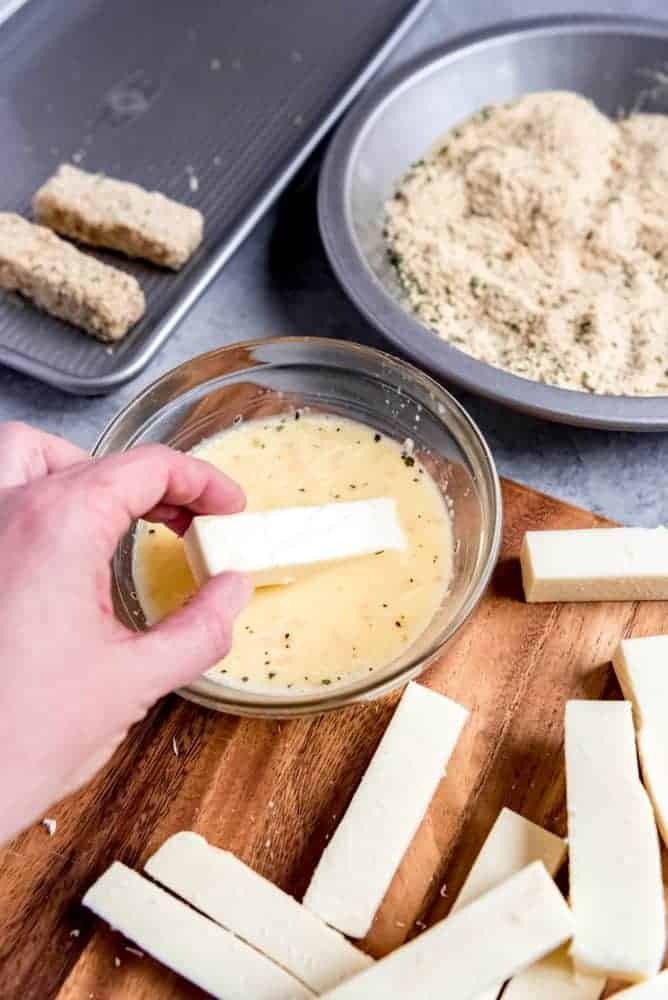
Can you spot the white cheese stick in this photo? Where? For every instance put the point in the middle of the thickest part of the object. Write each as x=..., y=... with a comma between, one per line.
x=598, y=564
x=511, y=845
x=360, y=860
x=615, y=868
x=257, y=911
x=641, y=666
x=271, y=545
x=485, y=943
x=185, y=941
x=653, y=989
x=554, y=978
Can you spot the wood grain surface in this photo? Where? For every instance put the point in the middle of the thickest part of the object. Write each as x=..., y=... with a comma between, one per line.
x=273, y=792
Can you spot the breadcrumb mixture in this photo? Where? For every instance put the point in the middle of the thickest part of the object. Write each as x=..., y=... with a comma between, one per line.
x=536, y=239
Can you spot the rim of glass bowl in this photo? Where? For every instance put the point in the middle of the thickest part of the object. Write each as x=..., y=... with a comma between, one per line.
x=213, y=366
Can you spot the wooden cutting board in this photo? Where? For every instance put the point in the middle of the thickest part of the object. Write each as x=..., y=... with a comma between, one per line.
x=273, y=792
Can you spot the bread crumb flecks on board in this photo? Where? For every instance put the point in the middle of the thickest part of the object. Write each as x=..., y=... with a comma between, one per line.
x=50, y=824
x=535, y=238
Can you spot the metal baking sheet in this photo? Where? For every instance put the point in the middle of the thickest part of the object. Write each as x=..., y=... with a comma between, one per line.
x=214, y=103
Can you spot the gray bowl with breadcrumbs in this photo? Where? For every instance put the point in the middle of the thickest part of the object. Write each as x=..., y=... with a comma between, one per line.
x=619, y=63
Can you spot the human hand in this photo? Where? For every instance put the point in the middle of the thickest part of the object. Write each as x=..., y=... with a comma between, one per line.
x=72, y=678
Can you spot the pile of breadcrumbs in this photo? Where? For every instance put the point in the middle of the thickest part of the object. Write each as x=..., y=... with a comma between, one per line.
x=536, y=238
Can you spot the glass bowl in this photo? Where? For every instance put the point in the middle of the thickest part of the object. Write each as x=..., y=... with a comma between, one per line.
x=255, y=379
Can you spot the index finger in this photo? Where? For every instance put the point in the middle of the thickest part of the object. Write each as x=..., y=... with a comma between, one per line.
x=151, y=479
x=28, y=454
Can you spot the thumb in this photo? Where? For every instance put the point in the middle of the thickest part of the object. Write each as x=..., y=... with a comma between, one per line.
x=191, y=640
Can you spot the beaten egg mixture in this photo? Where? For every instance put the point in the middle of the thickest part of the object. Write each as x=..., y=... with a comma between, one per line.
x=340, y=619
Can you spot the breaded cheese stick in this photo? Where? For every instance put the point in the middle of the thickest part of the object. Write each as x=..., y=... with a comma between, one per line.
x=104, y=212
x=69, y=284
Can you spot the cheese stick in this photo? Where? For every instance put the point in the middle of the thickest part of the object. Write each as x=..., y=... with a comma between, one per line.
x=653, y=989
x=485, y=943
x=511, y=845
x=360, y=860
x=641, y=666
x=615, y=868
x=599, y=564
x=187, y=942
x=69, y=284
x=554, y=978
x=105, y=212
x=272, y=545
x=232, y=894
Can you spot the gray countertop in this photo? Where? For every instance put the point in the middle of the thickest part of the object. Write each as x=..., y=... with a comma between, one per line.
x=279, y=283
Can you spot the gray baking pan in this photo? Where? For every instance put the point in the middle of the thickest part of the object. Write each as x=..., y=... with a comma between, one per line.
x=622, y=64
x=214, y=103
